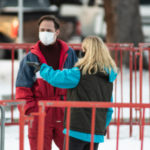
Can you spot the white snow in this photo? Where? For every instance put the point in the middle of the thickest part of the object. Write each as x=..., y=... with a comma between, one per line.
x=125, y=142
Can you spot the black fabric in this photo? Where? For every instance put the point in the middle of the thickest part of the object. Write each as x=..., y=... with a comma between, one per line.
x=90, y=88
x=75, y=144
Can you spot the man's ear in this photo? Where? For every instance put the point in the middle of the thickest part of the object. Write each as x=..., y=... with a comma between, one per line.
x=57, y=32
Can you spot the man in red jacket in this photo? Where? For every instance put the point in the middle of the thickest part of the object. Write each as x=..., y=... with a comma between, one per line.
x=30, y=86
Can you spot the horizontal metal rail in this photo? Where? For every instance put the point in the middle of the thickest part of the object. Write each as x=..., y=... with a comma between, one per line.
x=85, y=104
x=112, y=46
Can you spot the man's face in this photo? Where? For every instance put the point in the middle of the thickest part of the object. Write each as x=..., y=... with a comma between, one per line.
x=48, y=26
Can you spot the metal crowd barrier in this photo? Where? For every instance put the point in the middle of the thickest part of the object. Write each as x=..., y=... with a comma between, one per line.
x=4, y=103
x=118, y=50
x=93, y=105
x=135, y=92
x=68, y=105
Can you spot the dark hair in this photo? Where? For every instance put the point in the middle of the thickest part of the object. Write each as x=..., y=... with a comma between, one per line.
x=50, y=18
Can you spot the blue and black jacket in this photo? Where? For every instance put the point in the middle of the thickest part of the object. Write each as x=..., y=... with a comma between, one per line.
x=31, y=86
x=72, y=79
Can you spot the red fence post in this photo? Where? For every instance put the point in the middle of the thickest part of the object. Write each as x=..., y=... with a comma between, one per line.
x=141, y=76
x=121, y=80
x=116, y=60
x=131, y=70
x=142, y=129
x=21, y=127
x=92, y=128
x=135, y=73
x=41, y=122
x=12, y=83
x=68, y=128
x=118, y=126
x=149, y=78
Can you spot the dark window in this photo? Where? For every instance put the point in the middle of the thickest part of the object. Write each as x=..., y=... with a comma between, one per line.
x=144, y=1
x=26, y=3
x=59, y=2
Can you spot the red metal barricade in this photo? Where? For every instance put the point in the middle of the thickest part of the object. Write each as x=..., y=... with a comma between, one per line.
x=26, y=48
x=77, y=104
x=118, y=50
x=93, y=106
x=127, y=87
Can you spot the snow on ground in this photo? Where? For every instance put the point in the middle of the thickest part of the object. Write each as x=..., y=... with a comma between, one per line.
x=125, y=143
x=5, y=76
x=12, y=139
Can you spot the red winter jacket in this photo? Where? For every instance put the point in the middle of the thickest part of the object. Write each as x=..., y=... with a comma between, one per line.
x=31, y=87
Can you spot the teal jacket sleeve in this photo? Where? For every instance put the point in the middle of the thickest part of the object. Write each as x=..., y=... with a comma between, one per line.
x=109, y=114
x=112, y=77
x=66, y=78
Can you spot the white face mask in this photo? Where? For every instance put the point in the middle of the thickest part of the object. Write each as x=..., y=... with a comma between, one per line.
x=47, y=38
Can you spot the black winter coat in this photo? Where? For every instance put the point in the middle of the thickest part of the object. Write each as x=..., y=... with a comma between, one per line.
x=90, y=88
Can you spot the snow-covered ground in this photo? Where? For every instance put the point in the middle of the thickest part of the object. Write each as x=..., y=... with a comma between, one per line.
x=125, y=143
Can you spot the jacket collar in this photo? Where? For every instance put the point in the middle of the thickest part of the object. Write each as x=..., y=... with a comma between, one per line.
x=36, y=50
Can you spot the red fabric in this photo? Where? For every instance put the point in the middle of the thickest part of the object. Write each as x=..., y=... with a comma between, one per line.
x=27, y=94
x=50, y=133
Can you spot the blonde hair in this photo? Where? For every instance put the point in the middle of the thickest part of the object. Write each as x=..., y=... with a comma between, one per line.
x=97, y=57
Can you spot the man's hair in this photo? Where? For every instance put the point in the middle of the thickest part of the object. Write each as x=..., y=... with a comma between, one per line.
x=50, y=18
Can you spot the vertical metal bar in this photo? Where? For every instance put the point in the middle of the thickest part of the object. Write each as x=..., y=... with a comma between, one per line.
x=108, y=133
x=121, y=78
x=12, y=84
x=68, y=128
x=149, y=80
x=118, y=127
x=21, y=127
x=92, y=128
x=41, y=122
x=130, y=63
x=141, y=75
x=116, y=60
x=2, y=138
x=140, y=124
x=20, y=16
x=27, y=50
x=12, y=74
x=142, y=130
x=135, y=69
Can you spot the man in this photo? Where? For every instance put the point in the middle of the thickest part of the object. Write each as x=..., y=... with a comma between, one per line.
x=30, y=86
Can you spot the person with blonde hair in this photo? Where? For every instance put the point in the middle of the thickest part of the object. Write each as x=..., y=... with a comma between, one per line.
x=90, y=80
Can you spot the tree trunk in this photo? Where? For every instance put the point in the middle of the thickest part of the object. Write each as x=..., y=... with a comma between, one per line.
x=123, y=23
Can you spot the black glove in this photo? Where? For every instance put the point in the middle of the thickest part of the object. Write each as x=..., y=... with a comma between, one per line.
x=36, y=65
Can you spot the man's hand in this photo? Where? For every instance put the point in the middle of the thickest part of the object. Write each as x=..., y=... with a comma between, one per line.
x=36, y=65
